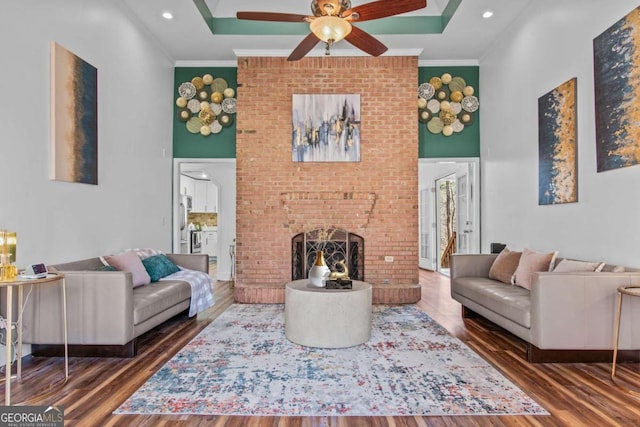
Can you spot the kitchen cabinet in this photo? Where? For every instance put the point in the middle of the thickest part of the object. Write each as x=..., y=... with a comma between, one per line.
x=187, y=185
x=210, y=242
x=205, y=197
x=212, y=198
x=200, y=196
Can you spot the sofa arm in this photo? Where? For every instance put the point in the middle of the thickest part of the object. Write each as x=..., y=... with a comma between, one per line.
x=577, y=311
x=99, y=310
x=471, y=265
x=199, y=262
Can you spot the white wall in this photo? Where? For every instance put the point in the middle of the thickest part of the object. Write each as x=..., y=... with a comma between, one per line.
x=131, y=205
x=550, y=44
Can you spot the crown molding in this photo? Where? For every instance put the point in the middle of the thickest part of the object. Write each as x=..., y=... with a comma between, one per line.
x=321, y=52
x=212, y=63
x=334, y=52
x=448, y=63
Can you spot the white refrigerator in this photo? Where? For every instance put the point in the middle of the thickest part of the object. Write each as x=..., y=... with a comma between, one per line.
x=186, y=204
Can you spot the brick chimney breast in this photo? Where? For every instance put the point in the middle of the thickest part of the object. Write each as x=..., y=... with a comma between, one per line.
x=277, y=198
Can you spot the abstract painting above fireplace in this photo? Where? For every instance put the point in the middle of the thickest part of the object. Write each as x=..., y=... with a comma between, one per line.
x=326, y=128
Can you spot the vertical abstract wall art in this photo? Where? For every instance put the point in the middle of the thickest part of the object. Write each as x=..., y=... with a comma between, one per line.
x=557, y=168
x=326, y=128
x=617, y=93
x=74, y=118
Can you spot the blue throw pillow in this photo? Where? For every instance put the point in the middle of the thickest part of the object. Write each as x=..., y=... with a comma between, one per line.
x=159, y=266
x=107, y=268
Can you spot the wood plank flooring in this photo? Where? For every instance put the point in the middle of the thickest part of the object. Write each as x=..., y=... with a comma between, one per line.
x=574, y=394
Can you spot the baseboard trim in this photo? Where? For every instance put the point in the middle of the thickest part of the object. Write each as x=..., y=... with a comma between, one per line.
x=537, y=355
x=467, y=313
x=57, y=350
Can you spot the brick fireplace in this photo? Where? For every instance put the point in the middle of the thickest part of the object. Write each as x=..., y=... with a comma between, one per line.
x=375, y=198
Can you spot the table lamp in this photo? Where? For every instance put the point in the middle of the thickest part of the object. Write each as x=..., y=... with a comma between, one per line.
x=8, y=243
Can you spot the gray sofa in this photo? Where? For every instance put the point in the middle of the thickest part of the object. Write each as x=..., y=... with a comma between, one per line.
x=106, y=314
x=566, y=317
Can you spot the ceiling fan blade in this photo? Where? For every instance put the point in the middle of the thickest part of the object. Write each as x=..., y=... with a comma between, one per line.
x=271, y=16
x=383, y=9
x=365, y=42
x=304, y=47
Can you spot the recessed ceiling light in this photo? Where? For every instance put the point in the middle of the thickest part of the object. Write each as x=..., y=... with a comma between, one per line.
x=167, y=15
x=487, y=14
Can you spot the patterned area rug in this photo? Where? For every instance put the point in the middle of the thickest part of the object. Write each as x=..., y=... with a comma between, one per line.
x=242, y=364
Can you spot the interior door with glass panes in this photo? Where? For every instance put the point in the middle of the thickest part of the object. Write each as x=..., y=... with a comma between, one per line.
x=465, y=238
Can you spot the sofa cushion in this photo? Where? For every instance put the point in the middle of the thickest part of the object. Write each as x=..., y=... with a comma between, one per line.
x=571, y=266
x=512, y=302
x=129, y=261
x=531, y=262
x=505, y=265
x=159, y=266
x=152, y=299
x=81, y=265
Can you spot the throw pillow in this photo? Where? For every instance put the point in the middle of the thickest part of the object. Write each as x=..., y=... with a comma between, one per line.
x=531, y=262
x=571, y=266
x=504, y=265
x=130, y=262
x=107, y=268
x=144, y=253
x=159, y=266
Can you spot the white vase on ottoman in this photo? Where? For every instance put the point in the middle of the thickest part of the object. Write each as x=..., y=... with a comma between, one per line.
x=319, y=272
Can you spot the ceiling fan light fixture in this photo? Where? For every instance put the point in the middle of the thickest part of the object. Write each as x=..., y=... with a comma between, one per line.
x=329, y=7
x=330, y=28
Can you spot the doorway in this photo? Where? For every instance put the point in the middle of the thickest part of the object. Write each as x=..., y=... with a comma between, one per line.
x=446, y=221
x=209, y=187
x=449, y=210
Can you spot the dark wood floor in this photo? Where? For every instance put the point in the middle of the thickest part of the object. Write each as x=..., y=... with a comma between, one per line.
x=574, y=394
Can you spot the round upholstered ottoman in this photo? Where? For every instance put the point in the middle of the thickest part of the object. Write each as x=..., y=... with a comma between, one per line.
x=327, y=318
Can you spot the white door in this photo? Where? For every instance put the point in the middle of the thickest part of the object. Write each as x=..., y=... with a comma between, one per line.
x=463, y=218
x=427, y=258
x=468, y=211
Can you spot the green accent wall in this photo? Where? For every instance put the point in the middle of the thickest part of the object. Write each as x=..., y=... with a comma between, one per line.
x=462, y=144
x=189, y=145
x=223, y=145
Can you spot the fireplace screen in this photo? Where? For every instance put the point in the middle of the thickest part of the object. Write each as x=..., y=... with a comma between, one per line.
x=338, y=245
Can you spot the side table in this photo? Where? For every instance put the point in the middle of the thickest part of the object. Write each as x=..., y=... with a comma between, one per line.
x=19, y=284
x=630, y=290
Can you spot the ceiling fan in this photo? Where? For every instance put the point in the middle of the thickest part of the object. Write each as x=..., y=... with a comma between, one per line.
x=332, y=21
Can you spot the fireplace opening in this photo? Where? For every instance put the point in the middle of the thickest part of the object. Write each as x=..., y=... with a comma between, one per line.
x=338, y=245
